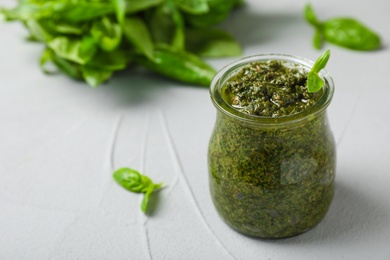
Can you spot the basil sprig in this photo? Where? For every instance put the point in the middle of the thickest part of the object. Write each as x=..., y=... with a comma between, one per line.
x=314, y=81
x=134, y=181
x=342, y=31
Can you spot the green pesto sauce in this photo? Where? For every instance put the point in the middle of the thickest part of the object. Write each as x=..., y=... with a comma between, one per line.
x=271, y=182
x=269, y=89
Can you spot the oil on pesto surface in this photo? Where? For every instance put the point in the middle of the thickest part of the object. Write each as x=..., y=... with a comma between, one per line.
x=271, y=182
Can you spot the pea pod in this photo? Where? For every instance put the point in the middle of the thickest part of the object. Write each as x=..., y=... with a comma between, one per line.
x=344, y=32
x=179, y=65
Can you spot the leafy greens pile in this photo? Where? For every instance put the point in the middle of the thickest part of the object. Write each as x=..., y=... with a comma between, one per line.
x=91, y=39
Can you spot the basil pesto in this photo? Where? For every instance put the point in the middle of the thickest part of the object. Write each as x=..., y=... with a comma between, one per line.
x=269, y=88
x=272, y=154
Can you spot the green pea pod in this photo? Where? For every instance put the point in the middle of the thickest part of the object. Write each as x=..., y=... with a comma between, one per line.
x=179, y=65
x=350, y=33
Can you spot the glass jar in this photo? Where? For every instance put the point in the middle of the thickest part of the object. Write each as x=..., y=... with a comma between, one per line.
x=271, y=177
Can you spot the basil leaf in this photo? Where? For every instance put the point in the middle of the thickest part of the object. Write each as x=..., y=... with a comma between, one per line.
x=350, y=33
x=78, y=11
x=310, y=16
x=106, y=33
x=120, y=10
x=61, y=27
x=131, y=180
x=314, y=81
x=74, y=49
x=218, y=11
x=179, y=65
x=38, y=31
x=134, y=181
x=95, y=77
x=113, y=60
x=69, y=68
x=211, y=43
x=134, y=6
x=138, y=34
x=344, y=32
x=167, y=25
x=193, y=6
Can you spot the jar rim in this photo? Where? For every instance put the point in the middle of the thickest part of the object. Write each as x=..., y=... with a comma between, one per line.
x=229, y=70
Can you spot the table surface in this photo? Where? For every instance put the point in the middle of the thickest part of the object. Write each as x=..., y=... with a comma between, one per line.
x=60, y=141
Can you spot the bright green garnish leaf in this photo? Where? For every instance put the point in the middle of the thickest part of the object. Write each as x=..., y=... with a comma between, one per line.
x=345, y=32
x=134, y=181
x=314, y=81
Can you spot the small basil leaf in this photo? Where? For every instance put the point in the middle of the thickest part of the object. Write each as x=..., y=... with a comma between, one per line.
x=350, y=33
x=130, y=180
x=138, y=34
x=209, y=42
x=314, y=81
x=321, y=62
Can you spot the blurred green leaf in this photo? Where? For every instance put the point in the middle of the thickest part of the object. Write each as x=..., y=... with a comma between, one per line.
x=211, y=42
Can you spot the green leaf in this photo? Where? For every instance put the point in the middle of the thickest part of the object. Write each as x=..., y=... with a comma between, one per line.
x=94, y=76
x=193, y=6
x=134, y=6
x=211, y=42
x=314, y=81
x=69, y=68
x=179, y=65
x=111, y=61
x=138, y=34
x=78, y=11
x=120, y=10
x=131, y=180
x=74, y=49
x=134, y=181
x=38, y=30
x=167, y=25
x=218, y=11
x=345, y=32
x=106, y=33
x=350, y=33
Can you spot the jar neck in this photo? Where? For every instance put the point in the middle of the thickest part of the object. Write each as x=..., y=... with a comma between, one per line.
x=229, y=71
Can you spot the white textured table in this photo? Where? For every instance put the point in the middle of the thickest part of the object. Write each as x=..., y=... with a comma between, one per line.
x=61, y=140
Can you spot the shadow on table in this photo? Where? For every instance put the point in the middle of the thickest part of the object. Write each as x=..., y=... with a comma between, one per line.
x=351, y=215
x=251, y=27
